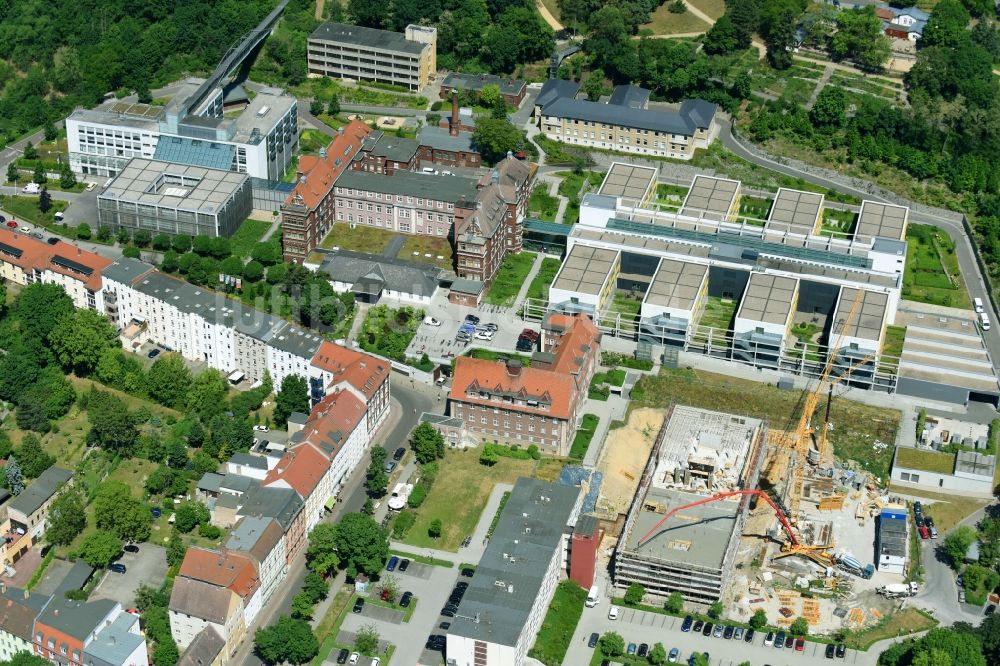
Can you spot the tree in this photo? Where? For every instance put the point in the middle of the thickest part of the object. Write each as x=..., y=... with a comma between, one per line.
x=956, y=544
x=800, y=627
x=189, y=515
x=488, y=456
x=321, y=555
x=32, y=457
x=389, y=586
x=302, y=606
x=166, y=652
x=758, y=620
x=181, y=243
x=67, y=518
x=15, y=478
x=725, y=37
x=946, y=26
x=169, y=380
x=83, y=231
x=634, y=594
x=116, y=510
x=288, y=639
x=369, y=13
x=39, y=176
x=594, y=85
x=44, y=200
x=316, y=107
x=427, y=443
x=142, y=238
x=30, y=414
x=253, y=271
x=715, y=610
x=27, y=659
x=361, y=544
x=490, y=96
x=674, y=603
x=366, y=641
x=699, y=659
x=161, y=242
x=175, y=549
x=111, y=425
x=612, y=644
x=132, y=252
x=67, y=179
x=207, y=394
x=376, y=479
x=495, y=138
x=80, y=339
x=658, y=655
x=830, y=107
x=12, y=173
x=333, y=107
x=780, y=35
x=293, y=397
x=267, y=254
x=314, y=585
x=40, y=307
x=99, y=548
x=434, y=529
x=859, y=36
x=30, y=152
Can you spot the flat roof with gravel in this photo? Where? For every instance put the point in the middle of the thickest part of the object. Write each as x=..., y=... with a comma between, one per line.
x=697, y=535
x=880, y=219
x=768, y=298
x=629, y=182
x=676, y=284
x=586, y=269
x=869, y=318
x=710, y=197
x=795, y=211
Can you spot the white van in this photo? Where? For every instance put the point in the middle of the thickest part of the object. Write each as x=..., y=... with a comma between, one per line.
x=31, y=188
x=593, y=596
x=978, y=304
x=984, y=321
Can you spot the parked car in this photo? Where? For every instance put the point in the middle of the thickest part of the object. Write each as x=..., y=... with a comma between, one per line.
x=928, y=521
x=448, y=611
x=748, y=637
x=355, y=656
x=484, y=335
x=472, y=319
x=431, y=321
x=468, y=572
x=53, y=241
x=261, y=428
x=707, y=630
x=727, y=633
x=779, y=640
x=789, y=641
x=800, y=644
x=613, y=612
x=492, y=327
x=156, y=512
x=120, y=568
x=398, y=455
x=769, y=639
x=924, y=532
x=342, y=656
x=404, y=601
x=829, y=651
x=933, y=531
x=738, y=634
x=698, y=624
x=632, y=647
x=918, y=507
x=672, y=657
x=393, y=561
x=686, y=624
x=153, y=353
x=404, y=564
x=524, y=345
x=462, y=585
x=90, y=188
x=592, y=643
x=436, y=642
x=992, y=608
x=717, y=631
x=841, y=651
x=131, y=548
x=358, y=605
x=444, y=626
x=390, y=466
x=643, y=650
x=375, y=661
x=12, y=224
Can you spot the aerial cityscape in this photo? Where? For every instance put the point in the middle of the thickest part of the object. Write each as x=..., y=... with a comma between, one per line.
x=499, y=332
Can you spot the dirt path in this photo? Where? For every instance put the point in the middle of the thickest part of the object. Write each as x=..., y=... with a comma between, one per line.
x=319, y=9
x=546, y=14
x=700, y=14
x=823, y=80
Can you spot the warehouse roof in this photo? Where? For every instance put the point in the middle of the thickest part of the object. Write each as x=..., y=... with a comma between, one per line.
x=710, y=197
x=869, y=317
x=175, y=185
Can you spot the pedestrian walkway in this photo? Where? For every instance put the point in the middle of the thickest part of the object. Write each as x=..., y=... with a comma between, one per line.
x=523, y=291
x=823, y=80
x=360, y=310
x=612, y=409
x=270, y=230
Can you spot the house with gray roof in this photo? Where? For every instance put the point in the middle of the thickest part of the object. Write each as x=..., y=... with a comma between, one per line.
x=18, y=610
x=262, y=539
x=205, y=649
x=385, y=154
x=120, y=643
x=517, y=575
x=89, y=632
x=28, y=513
x=512, y=90
x=371, y=276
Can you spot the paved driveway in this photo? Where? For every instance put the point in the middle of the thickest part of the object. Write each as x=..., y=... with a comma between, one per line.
x=147, y=567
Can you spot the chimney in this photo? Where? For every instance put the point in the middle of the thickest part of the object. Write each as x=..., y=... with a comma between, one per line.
x=453, y=124
x=513, y=367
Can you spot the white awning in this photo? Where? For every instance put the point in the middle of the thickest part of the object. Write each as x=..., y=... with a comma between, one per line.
x=236, y=376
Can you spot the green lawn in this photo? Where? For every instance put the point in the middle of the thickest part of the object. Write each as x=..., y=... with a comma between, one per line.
x=573, y=187
x=856, y=426
x=806, y=333
x=311, y=140
x=624, y=312
x=713, y=8
x=435, y=246
x=490, y=355
x=543, y=205
x=932, y=274
x=26, y=208
x=249, y=233
x=539, y=287
x=559, y=624
x=838, y=223
x=509, y=278
x=359, y=239
x=584, y=434
x=755, y=207
x=718, y=313
x=928, y=461
x=663, y=22
x=388, y=331
x=459, y=496
x=892, y=348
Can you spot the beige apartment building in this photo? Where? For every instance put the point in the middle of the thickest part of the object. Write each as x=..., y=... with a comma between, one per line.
x=354, y=52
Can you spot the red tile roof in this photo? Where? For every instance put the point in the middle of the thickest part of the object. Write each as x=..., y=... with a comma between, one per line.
x=362, y=371
x=36, y=254
x=320, y=173
x=230, y=570
x=301, y=468
x=473, y=375
x=331, y=423
x=580, y=337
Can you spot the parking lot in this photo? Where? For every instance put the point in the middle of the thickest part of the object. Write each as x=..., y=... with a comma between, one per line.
x=147, y=567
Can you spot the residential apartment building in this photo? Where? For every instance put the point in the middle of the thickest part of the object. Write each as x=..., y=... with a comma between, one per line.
x=259, y=141
x=406, y=202
x=261, y=540
x=485, y=235
x=624, y=124
x=309, y=212
x=516, y=577
x=25, y=260
x=302, y=469
x=282, y=504
x=28, y=513
x=175, y=198
x=336, y=368
x=18, y=610
x=207, y=649
x=538, y=405
x=353, y=52
x=74, y=633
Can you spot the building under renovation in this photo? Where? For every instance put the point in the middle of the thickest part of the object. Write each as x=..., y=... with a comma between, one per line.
x=697, y=453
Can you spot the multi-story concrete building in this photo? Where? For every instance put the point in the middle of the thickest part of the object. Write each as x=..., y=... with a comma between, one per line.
x=696, y=453
x=173, y=198
x=24, y=260
x=260, y=141
x=18, y=610
x=516, y=576
x=406, y=202
x=354, y=52
x=530, y=405
x=309, y=212
x=626, y=124
x=261, y=540
x=485, y=235
x=28, y=513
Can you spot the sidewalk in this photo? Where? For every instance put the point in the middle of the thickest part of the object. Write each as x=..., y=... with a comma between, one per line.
x=612, y=409
x=523, y=291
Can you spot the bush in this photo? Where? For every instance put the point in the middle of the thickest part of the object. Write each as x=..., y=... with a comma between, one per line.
x=404, y=521
x=674, y=603
x=534, y=452
x=83, y=232
x=634, y=594
x=418, y=495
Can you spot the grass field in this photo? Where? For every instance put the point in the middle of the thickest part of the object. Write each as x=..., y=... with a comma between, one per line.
x=539, y=287
x=543, y=205
x=311, y=140
x=932, y=274
x=838, y=223
x=490, y=355
x=559, y=624
x=26, y=208
x=584, y=434
x=573, y=187
x=459, y=495
x=509, y=278
x=946, y=510
x=928, y=461
x=328, y=628
x=424, y=245
x=713, y=8
x=718, y=313
x=249, y=233
x=906, y=621
x=856, y=426
x=663, y=22
x=359, y=239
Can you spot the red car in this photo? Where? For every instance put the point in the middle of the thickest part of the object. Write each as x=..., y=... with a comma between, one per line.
x=12, y=224
x=924, y=532
x=800, y=644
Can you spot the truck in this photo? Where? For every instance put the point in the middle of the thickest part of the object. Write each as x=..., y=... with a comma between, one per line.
x=852, y=565
x=898, y=590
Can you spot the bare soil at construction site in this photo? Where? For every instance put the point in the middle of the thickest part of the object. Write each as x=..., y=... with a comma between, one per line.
x=623, y=458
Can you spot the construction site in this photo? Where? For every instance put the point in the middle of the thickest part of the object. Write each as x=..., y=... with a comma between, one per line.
x=728, y=508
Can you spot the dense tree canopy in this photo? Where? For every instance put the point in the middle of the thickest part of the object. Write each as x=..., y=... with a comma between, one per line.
x=361, y=544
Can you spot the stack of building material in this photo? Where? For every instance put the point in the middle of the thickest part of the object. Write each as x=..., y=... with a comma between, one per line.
x=810, y=610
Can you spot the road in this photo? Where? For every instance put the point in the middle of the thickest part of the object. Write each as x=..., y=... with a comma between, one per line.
x=407, y=405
